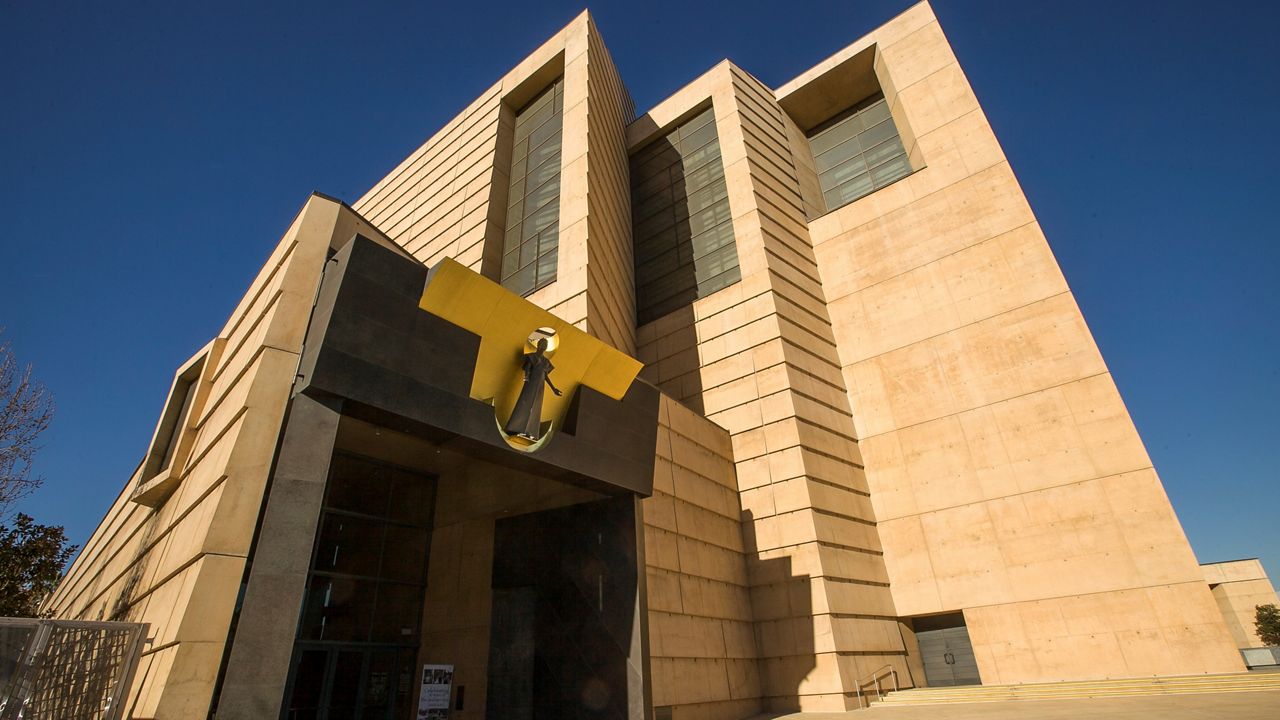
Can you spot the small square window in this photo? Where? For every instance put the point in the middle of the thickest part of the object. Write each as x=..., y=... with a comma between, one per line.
x=858, y=152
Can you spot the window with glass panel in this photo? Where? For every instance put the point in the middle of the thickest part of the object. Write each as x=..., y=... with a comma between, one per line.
x=682, y=232
x=858, y=152
x=359, y=633
x=370, y=563
x=531, y=240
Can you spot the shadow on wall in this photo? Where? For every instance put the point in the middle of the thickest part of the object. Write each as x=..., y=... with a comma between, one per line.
x=782, y=603
x=662, y=206
x=671, y=358
x=124, y=608
x=680, y=228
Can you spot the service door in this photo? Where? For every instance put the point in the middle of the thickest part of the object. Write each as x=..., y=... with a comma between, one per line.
x=945, y=651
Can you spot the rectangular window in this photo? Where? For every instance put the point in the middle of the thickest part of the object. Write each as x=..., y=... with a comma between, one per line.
x=172, y=421
x=531, y=241
x=370, y=562
x=171, y=445
x=360, y=630
x=858, y=152
x=683, y=235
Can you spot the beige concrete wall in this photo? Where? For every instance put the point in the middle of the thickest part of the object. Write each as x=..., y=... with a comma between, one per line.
x=448, y=198
x=1006, y=475
x=611, y=303
x=179, y=566
x=436, y=202
x=759, y=358
x=1239, y=587
x=924, y=332
x=702, y=641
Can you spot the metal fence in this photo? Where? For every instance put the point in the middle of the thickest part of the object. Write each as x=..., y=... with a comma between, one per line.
x=67, y=669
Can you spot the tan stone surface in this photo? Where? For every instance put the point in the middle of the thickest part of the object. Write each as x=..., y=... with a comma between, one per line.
x=1004, y=471
x=1161, y=630
x=759, y=358
x=702, y=641
x=1208, y=706
x=179, y=566
x=448, y=198
x=898, y=410
x=1239, y=587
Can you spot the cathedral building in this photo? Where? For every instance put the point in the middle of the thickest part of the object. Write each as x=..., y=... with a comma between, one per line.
x=731, y=405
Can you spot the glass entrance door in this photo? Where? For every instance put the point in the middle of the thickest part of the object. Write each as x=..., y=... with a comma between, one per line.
x=359, y=633
x=338, y=682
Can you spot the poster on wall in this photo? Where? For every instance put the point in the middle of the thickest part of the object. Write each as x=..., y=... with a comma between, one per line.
x=433, y=702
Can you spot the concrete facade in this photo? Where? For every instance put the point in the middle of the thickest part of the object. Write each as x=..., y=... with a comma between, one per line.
x=897, y=412
x=1007, y=478
x=1239, y=587
x=178, y=566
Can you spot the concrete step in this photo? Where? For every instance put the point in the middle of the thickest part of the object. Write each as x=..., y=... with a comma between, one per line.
x=1085, y=691
x=1080, y=696
x=1167, y=679
x=1088, y=692
x=1124, y=687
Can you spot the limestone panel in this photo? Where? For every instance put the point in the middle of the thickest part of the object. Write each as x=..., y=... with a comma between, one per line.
x=179, y=566
x=1002, y=465
x=702, y=641
x=1032, y=348
x=1157, y=630
x=1061, y=435
x=1085, y=537
x=1239, y=587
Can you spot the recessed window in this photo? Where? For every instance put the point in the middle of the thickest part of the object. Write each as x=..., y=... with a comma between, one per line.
x=858, y=152
x=171, y=445
x=683, y=234
x=177, y=409
x=175, y=417
x=531, y=241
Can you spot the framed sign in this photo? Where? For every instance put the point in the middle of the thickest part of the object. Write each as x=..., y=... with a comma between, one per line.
x=437, y=683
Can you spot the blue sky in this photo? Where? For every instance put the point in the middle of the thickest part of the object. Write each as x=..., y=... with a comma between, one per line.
x=153, y=153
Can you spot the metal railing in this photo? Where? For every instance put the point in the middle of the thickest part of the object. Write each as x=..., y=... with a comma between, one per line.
x=876, y=677
x=67, y=669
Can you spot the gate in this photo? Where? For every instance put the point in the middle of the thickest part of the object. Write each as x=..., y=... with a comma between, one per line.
x=67, y=669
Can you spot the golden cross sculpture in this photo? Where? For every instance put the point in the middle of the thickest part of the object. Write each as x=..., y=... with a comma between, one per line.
x=508, y=325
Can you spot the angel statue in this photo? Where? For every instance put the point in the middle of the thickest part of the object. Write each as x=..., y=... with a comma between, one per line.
x=526, y=417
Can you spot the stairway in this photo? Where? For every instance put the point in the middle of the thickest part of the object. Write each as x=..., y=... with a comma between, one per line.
x=1131, y=687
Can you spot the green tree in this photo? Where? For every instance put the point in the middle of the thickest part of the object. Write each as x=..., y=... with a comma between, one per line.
x=31, y=560
x=1266, y=621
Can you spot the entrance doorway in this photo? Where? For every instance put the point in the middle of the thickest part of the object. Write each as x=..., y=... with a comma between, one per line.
x=946, y=651
x=350, y=681
x=358, y=637
x=564, y=607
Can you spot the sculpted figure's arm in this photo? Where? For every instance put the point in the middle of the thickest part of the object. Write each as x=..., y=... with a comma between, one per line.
x=550, y=384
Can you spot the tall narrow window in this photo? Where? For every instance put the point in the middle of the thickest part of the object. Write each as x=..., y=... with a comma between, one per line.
x=529, y=247
x=171, y=446
x=683, y=235
x=857, y=152
x=358, y=639
x=172, y=422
